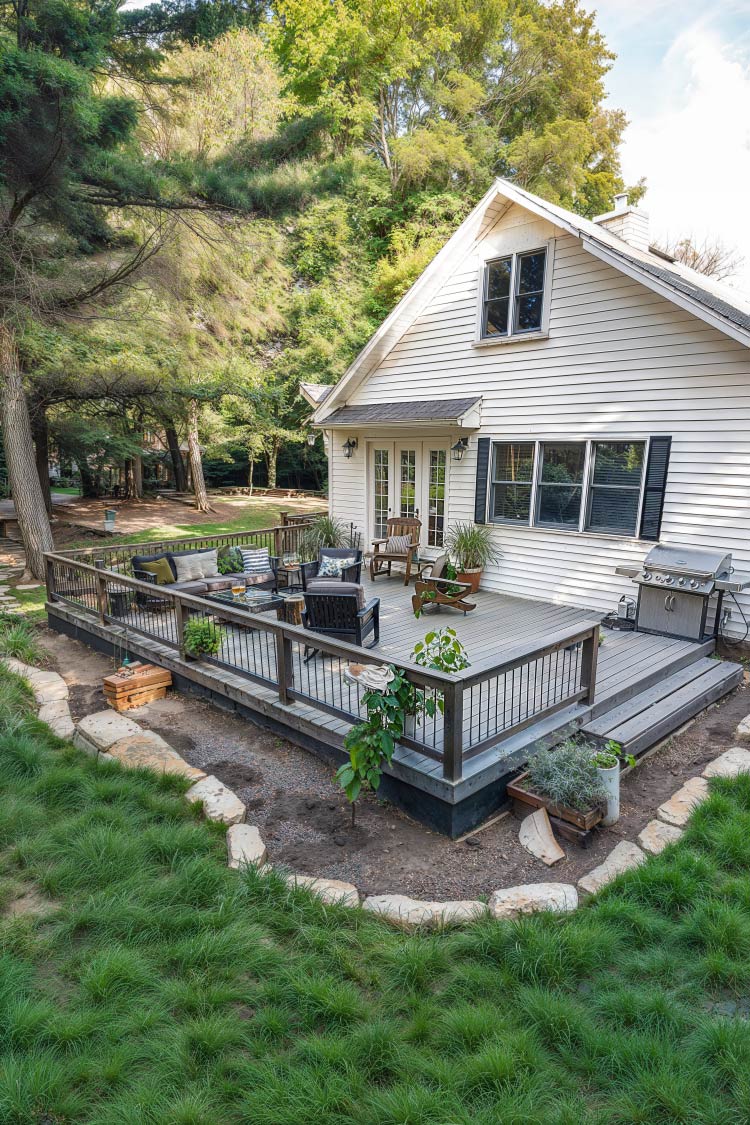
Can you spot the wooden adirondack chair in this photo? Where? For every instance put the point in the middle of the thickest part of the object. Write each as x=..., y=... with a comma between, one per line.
x=382, y=558
x=432, y=588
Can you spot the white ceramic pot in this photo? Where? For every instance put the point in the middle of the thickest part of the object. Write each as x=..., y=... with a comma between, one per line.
x=610, y=779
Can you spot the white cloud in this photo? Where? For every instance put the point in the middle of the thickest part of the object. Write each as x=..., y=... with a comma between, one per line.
x=694, y=148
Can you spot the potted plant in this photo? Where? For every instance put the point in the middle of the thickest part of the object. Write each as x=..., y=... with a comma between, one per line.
x=471, y=547
x=566, y=782
x=608, y=767
x=324, y=531
x=202, y=637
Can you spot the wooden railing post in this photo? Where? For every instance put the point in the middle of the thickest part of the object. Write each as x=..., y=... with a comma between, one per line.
x=181, y=614
x=284, y=665
x=589, y=657
x=453, y=731
x=49, y=569
x=101, y=592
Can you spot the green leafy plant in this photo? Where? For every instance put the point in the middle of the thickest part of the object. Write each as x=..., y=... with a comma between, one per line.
x=371, y=743
x=567, y=775
x=610, y=754
x=202, y=637
x=471, y=545
x=230, y=562
x=441, y=650
x=324, y=531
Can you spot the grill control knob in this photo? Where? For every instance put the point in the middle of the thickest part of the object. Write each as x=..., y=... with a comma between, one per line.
x=680, y=581
x=647, y=576
x=694, y=583
x=660, y=578
x=669, y=580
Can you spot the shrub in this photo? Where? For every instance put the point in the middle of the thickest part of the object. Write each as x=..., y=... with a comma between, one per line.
x=202, y=637
x=567, y=776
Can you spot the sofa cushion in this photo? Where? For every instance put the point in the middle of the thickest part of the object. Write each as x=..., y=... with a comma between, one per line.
x=334, y=586
x=264, y=578
x=161, y=571
x=196, y=586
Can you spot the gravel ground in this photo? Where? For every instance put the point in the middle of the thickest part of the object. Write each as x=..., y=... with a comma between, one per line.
x=306, y=823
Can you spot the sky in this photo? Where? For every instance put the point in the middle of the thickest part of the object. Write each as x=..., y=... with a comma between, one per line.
x=682, y=76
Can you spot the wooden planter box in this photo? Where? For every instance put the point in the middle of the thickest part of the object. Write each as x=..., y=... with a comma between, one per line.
x=524, y=796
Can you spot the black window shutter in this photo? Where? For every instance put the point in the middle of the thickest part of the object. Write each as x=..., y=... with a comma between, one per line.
x=483, y=469
x=655, y=487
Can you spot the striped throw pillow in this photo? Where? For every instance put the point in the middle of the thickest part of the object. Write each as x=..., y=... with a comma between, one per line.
x=398, y=544
x=255, y=560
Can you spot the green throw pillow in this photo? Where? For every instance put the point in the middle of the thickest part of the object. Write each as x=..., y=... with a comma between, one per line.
x=161, y=569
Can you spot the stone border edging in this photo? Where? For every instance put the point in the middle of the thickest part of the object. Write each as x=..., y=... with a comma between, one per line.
x=112, y=736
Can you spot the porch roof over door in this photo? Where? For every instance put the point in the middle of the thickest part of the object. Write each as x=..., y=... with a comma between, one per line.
x=462, y=412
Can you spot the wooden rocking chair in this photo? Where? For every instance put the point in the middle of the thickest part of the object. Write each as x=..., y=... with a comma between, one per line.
x=432, y=588
x=383, y=558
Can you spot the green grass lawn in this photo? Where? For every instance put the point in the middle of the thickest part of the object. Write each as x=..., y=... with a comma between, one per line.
x=149, y=984
x=249, y=519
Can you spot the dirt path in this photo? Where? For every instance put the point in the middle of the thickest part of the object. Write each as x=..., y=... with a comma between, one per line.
x=174, y=518
x=305, y=820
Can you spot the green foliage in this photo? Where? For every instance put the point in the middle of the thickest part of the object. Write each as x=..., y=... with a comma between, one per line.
x=567, y=775
x=442, y=651
x=371, y=743
x=202, y=637
x=18, y=640
x=325, y=531
x=229, y=560
x=472, y=546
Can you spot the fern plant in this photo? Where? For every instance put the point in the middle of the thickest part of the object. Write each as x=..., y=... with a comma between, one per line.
x=567, y=776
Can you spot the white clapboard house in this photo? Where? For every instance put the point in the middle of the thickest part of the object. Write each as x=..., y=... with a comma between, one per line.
x=580, y=392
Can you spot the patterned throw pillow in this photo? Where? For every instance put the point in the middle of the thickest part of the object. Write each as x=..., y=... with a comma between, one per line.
x=255, y=560
x=331, y=568
x=398, y=544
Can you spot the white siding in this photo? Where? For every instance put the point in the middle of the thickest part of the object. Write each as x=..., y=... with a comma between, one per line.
x=619, y=361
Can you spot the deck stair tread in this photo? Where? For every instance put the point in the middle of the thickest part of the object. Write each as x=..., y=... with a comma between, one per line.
x=658, y=710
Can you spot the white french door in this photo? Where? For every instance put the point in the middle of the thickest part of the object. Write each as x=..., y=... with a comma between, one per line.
x=409, y=479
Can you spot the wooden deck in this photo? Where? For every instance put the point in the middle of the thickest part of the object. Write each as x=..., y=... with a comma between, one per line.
x=646, y=686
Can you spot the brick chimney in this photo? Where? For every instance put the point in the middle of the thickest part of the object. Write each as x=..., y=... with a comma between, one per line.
x=627, y=222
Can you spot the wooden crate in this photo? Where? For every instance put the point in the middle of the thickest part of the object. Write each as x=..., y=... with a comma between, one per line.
x=527, y=800
x=138, y=684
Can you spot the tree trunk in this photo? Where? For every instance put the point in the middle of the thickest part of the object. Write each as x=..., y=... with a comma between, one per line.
x=89, y=488
x=272, y=457
x=40, y=431
x=25, y=489
x=196, y=465
x=178, y=465
x=250, y=471
x=138, y=477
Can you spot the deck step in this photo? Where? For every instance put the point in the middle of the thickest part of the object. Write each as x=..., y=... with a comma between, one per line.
x=655, y=712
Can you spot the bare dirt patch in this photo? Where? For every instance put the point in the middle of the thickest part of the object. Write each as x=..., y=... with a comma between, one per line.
x=29, y=902
x=305, y=820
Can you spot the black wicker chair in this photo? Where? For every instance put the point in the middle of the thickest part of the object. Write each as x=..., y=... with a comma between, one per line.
x=344, y=617
x=353, y=573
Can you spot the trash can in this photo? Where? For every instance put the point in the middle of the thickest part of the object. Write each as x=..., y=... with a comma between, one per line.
x=109, y=519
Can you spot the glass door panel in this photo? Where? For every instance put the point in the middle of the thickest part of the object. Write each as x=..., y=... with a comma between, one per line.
x=436, y=464
x=381, y=491
x=407, y=482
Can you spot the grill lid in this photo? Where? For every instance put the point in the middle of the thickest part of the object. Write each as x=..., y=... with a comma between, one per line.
x=687, y=560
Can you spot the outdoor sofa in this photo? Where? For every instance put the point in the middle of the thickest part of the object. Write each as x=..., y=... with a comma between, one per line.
x=210, y=582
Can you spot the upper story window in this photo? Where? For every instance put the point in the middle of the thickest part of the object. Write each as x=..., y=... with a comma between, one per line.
x=514, y=295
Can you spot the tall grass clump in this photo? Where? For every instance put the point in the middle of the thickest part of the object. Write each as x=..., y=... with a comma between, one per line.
x=18, y=640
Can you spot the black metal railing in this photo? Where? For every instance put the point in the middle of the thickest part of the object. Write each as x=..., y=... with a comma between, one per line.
x=470, y=711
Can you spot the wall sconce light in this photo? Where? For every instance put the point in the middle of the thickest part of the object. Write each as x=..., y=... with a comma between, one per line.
x=349, y=446
x=458, y=450
x=311, y=438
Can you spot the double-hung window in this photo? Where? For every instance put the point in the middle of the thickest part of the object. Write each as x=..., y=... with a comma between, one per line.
x=591, y=486
x=514, y=295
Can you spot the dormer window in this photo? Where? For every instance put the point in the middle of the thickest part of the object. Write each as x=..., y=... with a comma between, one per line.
x=514, y=295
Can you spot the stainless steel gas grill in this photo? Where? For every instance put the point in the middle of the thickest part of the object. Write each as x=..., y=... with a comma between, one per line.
x=675, y=590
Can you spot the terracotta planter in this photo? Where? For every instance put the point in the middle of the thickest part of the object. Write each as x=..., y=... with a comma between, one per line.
x=524, y=795
x=473, y=577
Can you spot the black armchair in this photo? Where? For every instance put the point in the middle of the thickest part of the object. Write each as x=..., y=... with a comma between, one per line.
x=344, y=617
x=353, y=573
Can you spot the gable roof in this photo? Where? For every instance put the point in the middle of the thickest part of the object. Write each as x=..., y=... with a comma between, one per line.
x=315, y=393
x=718, y=305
